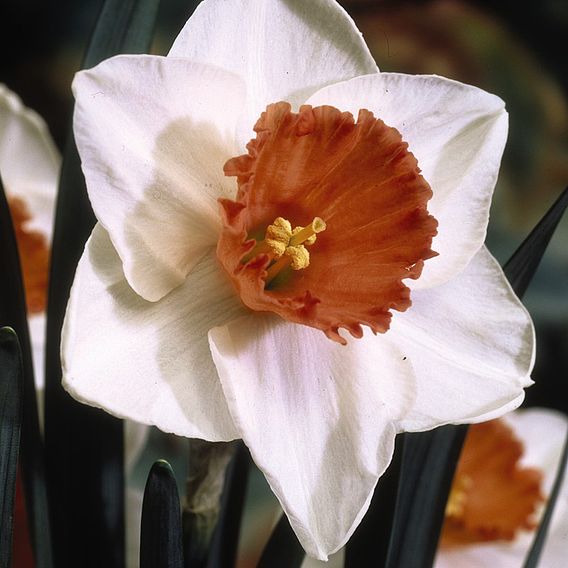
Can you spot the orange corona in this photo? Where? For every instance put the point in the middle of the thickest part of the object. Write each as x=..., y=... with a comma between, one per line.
x=34, y=257
x=493, y=497
x=354, y=184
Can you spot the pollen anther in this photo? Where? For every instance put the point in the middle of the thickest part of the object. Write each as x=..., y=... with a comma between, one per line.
x=299, y=256
x=287, y=245
x=458, y=496
x=296, y=257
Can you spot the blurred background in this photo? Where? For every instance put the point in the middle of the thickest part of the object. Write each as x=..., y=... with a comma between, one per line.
x=515, y=51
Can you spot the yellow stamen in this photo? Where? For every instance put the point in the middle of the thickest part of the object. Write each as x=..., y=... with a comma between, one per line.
x=273, y=270
x=309, y=241
x=280, y=230
x=277, y=248
x=458, y=496
x=286, y=246
x=276, y=239
x=299, y=257
x=307, y=234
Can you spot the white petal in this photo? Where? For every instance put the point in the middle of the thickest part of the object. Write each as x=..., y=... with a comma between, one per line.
x=498, y=555
x=153, y=134
x=471, y=344
x=284, y=49
x=457, y=133
x=335, y=561
x=37, y=323
x=146, y=361
x=313, y=414
x=29, y=160
x=542, y=432
x=554, y=553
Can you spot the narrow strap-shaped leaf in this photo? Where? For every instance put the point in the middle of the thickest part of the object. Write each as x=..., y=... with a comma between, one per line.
x=124, y=26
x=518, y=269
x=419, y=518
x=521, y=267
x=84, y=445
x=429, y=460
x=11, y=402
x=13, y=313
x=533, y=557
x=161, y=531
x=282, y=549
x=368, y=547
x=223, y=552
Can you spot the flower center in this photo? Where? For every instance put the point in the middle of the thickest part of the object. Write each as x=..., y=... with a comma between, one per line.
x=360, y=177
x=286, y=246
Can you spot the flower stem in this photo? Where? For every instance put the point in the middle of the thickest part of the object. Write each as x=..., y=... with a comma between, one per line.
x=207, y=466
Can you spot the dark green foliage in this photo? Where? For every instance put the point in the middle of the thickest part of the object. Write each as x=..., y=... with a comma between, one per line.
x=428, y=462
x=369, y=545
x=283, y=549
x=521, y=267
x=11, y=402
x=161, y=531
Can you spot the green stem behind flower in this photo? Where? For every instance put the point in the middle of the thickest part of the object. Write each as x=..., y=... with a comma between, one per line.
x=208, y=463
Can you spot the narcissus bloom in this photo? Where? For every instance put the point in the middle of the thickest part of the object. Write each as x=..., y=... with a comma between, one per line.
x=505, y=473
x=29, y=166
x=222, y=308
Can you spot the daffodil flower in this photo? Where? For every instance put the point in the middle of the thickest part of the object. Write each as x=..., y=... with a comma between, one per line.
x=505, y=474
x=203, y=303
x=29, y=166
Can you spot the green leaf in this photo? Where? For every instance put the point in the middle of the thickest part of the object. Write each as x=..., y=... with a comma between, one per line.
x=84, y=445
x=11, y=402
x=429, y=460
x=522, y=266
x=123, y=26
x=13, y=313
x=161, y=533
x=369, y=544
x=283, y=549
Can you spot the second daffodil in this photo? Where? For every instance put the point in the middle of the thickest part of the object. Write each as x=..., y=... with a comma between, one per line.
x=290, y=251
